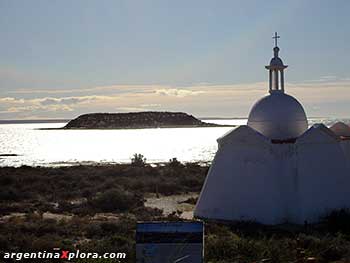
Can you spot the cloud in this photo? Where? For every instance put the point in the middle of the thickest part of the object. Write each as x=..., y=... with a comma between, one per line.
x=328, y=78
x=116, y=89
x=48, y=104
x=154, y=105
x=35, y=108
x=11, y=100
x=52, y=101
x=329, y=97
x=178, y=92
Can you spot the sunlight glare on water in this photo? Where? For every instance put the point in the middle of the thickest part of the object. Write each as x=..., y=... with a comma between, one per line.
x=36, y=147
x=59, y=147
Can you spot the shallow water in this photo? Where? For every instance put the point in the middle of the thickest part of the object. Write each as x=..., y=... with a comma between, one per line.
x=35, y=147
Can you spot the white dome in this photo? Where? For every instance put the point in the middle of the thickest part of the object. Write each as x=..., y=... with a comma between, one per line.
x=278, y=116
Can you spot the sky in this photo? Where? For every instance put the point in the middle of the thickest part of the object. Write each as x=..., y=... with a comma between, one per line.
x=63, y=58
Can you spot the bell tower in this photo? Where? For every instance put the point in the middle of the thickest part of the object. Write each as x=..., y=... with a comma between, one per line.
x=276, y=70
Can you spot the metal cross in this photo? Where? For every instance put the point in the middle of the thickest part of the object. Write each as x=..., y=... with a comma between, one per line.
x=276, y=37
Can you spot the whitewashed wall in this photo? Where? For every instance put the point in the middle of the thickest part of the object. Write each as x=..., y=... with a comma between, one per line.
x=253, y=179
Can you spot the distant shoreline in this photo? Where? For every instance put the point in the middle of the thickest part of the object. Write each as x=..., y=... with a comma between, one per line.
x=67, y=120
x=33, y=121
x=143, y=128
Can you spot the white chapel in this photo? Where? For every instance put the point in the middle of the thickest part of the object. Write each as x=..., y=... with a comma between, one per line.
x=276, y=169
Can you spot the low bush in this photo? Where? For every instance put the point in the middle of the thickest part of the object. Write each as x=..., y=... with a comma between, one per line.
x=138, y=160
x=338, y=221
x=115, y=200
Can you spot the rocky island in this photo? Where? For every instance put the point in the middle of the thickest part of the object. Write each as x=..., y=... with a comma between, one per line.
x=136, y=120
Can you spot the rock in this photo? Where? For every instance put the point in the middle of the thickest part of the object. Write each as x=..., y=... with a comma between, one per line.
x=136, y=120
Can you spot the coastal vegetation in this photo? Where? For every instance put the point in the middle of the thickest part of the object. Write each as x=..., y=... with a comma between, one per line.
x=96, y=208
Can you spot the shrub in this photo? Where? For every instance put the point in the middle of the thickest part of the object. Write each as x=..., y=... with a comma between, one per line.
x=6, y=180
x=147, y=213
x=338, y=221
x=9, y=194
x=115, y=200
x=138, y=160
x=174, y=163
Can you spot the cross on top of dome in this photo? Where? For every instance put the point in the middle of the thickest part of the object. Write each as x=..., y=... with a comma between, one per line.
x=276, y=48
x=276, y=37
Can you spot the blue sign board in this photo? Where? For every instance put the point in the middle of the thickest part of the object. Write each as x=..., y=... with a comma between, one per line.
x=169, y=242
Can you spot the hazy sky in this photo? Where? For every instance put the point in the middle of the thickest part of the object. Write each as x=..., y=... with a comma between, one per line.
x=60, y=58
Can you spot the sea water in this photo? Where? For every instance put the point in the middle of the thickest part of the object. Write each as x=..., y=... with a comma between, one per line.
x=28, y=144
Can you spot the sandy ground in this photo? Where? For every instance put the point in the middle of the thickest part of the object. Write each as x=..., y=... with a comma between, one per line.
x=173, y=203
x=169, y=204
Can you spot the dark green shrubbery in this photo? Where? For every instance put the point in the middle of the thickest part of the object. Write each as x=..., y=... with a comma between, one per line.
x=40, y=187
x=174, y=163
x=274, y=244
x=83, y=191
x=36, y=234
x=338, y=221
x=115, y=200
x=138, y=160
x=9, y=194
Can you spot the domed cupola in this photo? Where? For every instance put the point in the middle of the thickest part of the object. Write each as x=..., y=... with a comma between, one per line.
x=278, y=116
